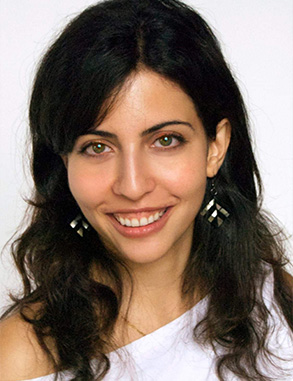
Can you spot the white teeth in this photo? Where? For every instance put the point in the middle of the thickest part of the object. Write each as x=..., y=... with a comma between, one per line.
x=151, y=219
x=134, y=222
x=143, y=221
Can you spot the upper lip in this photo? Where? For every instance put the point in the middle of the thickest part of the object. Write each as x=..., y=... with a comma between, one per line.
x=139, y=210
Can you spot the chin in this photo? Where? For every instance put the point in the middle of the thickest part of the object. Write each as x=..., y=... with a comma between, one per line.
x=142, y=254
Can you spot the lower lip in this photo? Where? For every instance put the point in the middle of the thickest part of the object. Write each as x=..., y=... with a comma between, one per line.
x=141, y=231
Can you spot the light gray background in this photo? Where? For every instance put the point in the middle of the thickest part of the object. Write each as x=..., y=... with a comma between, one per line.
x=256, y=36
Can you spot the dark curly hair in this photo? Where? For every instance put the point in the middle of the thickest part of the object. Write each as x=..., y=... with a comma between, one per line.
x=82, y=72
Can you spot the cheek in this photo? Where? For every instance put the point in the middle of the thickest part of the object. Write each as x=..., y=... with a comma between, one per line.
x=187, y=176
x=87, y=186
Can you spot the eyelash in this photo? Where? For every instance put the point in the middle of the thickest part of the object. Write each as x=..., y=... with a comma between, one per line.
x=181, y=140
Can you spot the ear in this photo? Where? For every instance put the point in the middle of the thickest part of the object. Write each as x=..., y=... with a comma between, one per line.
x=65, y=160
x=218, y=147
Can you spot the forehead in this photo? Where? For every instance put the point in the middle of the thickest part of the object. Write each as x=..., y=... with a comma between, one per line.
x=146, y=99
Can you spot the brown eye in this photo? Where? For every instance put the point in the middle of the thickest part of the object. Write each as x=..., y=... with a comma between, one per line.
x=165, y=141
x=98, y=147
x=95, y=149
x=169, y=141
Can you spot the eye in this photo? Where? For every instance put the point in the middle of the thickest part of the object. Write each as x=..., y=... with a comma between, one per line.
x=95, y=148
x=98, y=147
x=166, y=141
x=169, y=140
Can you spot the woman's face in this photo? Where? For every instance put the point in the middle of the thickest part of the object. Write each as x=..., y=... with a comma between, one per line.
x=140, y=176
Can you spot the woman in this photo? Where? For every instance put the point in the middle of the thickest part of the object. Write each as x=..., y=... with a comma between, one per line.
x=148, y=256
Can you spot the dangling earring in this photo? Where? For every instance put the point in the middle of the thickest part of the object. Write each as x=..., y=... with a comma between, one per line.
x=214, y=212
x=78, y=224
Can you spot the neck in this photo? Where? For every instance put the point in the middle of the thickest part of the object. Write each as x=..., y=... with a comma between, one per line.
x=156, y=296
x=156, y=300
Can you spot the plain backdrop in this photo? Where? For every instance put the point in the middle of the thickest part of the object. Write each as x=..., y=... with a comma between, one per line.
x=256, y=37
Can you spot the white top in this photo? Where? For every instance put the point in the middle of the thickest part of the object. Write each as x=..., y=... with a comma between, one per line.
x=170, y=353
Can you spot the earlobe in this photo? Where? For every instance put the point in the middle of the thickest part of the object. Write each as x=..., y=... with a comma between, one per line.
x=65, y=160
x=218, y=147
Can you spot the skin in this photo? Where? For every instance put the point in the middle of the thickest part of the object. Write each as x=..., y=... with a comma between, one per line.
x=21, y=357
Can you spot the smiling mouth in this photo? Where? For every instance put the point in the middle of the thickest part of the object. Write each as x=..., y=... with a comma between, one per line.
x=142, y=221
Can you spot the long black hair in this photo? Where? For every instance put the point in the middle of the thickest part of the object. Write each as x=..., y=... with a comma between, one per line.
x=82, y=72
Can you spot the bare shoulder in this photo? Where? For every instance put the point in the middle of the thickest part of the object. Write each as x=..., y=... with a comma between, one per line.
x=21, y=356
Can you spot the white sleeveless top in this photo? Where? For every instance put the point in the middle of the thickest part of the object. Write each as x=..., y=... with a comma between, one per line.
x=171, y=354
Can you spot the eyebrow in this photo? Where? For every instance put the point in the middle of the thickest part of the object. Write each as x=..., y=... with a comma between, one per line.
x=157, y=127
x=104, y=134
x=148, y=131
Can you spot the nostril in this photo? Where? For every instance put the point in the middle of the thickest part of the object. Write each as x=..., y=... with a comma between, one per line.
x=133, y=188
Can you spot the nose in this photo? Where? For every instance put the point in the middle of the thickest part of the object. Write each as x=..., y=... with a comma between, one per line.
x=134, y=177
